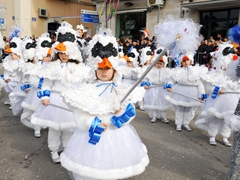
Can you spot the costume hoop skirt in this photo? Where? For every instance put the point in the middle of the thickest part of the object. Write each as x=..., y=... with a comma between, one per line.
x=119, y=154
x=179, y=100
x=16, y=98
x=58, y=118
x=154, y=99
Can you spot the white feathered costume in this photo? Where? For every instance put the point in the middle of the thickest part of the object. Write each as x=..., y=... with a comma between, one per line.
x=101, y=100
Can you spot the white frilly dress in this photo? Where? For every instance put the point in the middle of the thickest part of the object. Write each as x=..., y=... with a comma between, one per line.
x=217, y=109
x=18, y=94
x=120, y=152
x=154, y=96
x=57, y=78
x=187, y=82
x=31, y=101
x=11, y=72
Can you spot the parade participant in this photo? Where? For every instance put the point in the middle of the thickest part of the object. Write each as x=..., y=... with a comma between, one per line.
x=98, y=105
x=154, y=101
x=218, y=103
x=185, y=80
x=31, y=101
x=22, y=88
x=82, y=43
x=63, y=73
x=11, y=64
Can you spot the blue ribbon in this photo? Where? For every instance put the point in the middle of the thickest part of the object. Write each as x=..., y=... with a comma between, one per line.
x=145, y=84
x=204, y=96
x=119, y=121
x=25, y=86
x=95, y=131
x=167, y=85
x=215, y=92
x=130, y=49
x=43, y=93
x=40, y=83
x=2, y=76
x=177, y=60
x=107, y=85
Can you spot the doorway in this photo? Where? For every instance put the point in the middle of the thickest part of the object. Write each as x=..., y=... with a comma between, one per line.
x=220, y=21
x=128, y=25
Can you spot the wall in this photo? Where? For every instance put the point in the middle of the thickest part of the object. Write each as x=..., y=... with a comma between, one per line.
x=26, y=11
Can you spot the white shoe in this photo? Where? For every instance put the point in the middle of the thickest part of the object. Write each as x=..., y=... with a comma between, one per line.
x=153, y=120
x=226, y=143
x=141, y=108
x=187, y=128
x=7, y=102
x=179, y=128
x=37, y=133
x=55, y=157
x=10, y=108
x=212, y=142
x=164, y=120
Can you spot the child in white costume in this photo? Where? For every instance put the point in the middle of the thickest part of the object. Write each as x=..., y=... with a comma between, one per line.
x=11, y=64
x=61, y=74
x=185, y=80
x=22, y=88
x=218, y=104
x=154, y=102
x=31, y=101
x=119, y=153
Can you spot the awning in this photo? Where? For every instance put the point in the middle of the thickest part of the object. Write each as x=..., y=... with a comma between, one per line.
x=212, y=5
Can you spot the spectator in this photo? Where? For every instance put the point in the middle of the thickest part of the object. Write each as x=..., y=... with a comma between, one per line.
x=135, y=44
x=207, y=50
x=126, y=47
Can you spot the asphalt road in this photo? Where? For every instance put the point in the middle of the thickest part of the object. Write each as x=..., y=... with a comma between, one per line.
x=173, y=155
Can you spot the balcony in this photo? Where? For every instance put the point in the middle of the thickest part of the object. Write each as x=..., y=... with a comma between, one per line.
x=210, y=4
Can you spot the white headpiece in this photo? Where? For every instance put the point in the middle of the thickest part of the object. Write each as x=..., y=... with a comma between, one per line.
x=28, y=48
x=15, y=46
x=103, y=47
x=146, y=55
x=66, y=42
x=43, y=46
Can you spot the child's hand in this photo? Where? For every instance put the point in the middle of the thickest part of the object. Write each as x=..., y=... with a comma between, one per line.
x=117, y=111
x=27, y=90
x=221, y=91
x=104, y=125
x=169, y=89
x=146, y=87
x=45, y=102
x=7, y=80
x=201, y=99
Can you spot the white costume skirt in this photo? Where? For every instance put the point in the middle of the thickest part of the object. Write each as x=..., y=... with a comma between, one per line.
x=56, y=116
x=179, y=100
x=154, y=99
x=223, y=105
x=218, y=108
x=16, y=98
x=31, y=100
x=10, y=86
x=119, y=154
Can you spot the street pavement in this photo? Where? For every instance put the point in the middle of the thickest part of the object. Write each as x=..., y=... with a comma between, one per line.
x=173, y=155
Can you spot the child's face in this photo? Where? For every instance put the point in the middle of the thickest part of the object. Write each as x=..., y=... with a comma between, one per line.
x=80, y=32
x=130, y=64
x=15, y=56
x=186, y=63
x=147, y=63
x=46, y=59
x=160, y=64
x=105, y=74
x=64, y=57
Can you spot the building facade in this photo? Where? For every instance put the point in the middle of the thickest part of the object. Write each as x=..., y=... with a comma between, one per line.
x=216, y=16
x=39, y=16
